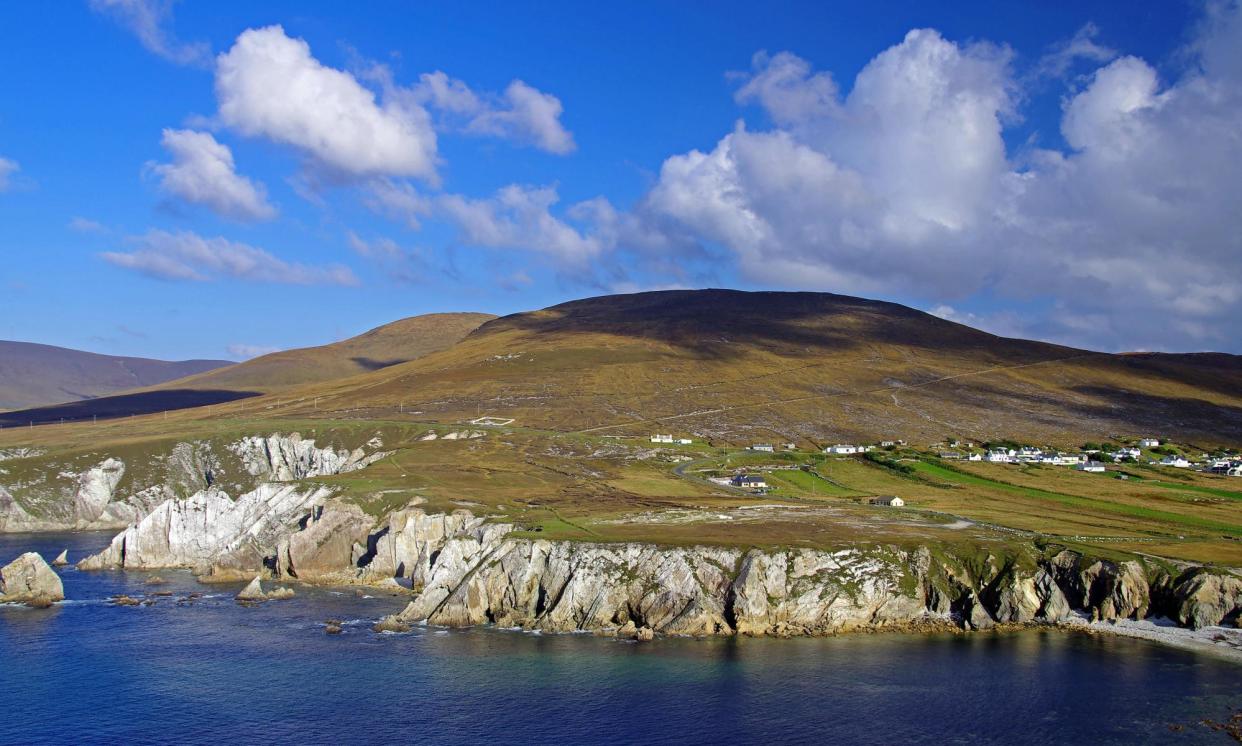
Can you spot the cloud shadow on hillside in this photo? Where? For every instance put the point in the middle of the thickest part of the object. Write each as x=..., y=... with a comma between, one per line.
x=124, y=405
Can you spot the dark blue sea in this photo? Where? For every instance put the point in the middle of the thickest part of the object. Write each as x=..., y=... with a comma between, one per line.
x=213, y=672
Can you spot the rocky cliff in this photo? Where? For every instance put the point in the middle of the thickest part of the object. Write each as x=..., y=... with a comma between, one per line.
x=106, y=492
x=467, y=571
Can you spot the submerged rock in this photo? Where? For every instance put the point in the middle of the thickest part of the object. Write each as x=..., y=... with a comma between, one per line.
x=390, y=624
x=29, y=580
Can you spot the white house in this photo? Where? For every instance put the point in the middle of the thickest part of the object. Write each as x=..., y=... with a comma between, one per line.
x=661, y=439
x=890, y=501
x=1026, y=453
x=975, y=457
x=1174, y=461
x=1000, y=456
x=685, y=441
x=1121, y=453
x=842, y=449
x=765, y=447
x=750, y=482
x=887, y=443
x=1148, y=442
x=1235, y=471
x=1092, y=466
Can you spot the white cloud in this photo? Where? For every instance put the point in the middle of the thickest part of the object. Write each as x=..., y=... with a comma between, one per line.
x=7, y=169
x=1064, y=55
x=246, y=351
x=905, y=186
x=521, y=113
x=398, y=199
x=149, y=21
x=528, y=114
x=203, y=172
x=397, y=262
x=86, y=225
x=520, y=217
x=188, y=256
x=786, y=88
x=269, y=85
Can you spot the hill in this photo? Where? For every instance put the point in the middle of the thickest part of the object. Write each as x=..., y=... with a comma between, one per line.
x=815, y=367
x=384, y=346
x=36, y=374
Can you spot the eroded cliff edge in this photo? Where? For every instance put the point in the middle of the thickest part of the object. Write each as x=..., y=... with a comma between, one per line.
x=465, y=570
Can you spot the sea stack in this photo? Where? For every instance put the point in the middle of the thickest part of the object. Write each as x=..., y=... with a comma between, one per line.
x=252, y=592
x=29, y=580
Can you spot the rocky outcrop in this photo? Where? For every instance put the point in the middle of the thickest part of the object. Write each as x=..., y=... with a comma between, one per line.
x=288, y=458
x=62, y=559
x=29, y=580
x=1205, y=599
x=332, y=539
x=209, y=529
x=59, y=496
x=253, y=592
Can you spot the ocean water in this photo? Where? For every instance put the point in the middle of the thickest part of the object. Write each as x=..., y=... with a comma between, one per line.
x=214, y=672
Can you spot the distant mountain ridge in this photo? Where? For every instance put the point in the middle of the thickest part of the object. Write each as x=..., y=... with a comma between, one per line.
x=33, y=374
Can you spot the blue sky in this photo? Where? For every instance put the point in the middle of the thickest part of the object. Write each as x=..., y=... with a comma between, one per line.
x=218, y=179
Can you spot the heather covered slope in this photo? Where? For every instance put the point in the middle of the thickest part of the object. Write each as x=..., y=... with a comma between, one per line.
x=384, y=346
x=36, y=374
x=806, y=367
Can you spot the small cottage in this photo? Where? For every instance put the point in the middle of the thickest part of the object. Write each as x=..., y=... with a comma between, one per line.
x=888, y=501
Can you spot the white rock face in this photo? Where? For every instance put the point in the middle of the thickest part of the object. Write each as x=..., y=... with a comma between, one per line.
x=28, y=579
x=287, y=458
x=95, y=490
x=209, y=528
x=94, y=501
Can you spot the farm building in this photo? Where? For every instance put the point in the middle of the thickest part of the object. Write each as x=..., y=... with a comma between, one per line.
x=889, y=501
x=750, y=482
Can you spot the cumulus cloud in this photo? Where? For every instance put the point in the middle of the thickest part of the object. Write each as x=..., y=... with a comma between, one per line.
x=7, y=169
x=269, y=85
x=521, y=112
x=203, y=172
x=150, y=20
x=187, y=256
x=520, y=217
x=241, y=351
x=904, y=186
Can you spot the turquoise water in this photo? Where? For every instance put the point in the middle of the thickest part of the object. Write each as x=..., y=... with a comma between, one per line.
x=87, y=672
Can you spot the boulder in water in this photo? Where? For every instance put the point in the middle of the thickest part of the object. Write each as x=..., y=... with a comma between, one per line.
x=29, y=580
x=390, y=623
x=252, y=592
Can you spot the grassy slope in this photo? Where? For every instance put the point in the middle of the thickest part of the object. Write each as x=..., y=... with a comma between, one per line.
x=811, y=368
x=384, y=346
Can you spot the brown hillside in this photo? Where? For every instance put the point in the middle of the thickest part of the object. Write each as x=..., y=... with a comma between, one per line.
x=382, y=347
x=809, y=367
